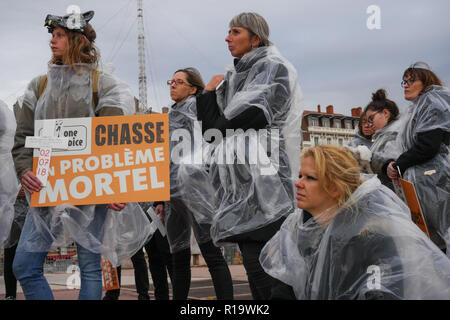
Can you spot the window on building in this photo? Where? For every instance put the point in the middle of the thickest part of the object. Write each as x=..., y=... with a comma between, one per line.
x=314, y=122
x=348, y=124
x=326, y=122
x=328, y=140
x=316, y=141
x=341, y=141
x=336, y=123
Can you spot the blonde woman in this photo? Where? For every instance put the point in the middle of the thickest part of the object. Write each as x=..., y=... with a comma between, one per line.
x=360, y=242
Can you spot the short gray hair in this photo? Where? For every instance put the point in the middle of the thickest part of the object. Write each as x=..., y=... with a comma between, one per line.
x=255, y=24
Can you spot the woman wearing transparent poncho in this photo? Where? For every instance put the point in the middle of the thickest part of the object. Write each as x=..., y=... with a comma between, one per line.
x=359, y=244
x=382, y=115
x=185, y=85
x=96, y=229
x=245, y=188
x=363, y=134
x=424, y=142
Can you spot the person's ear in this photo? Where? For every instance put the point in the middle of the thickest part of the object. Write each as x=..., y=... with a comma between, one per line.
x=387, y=114
x=333, y=191
x=193, y=90
x=255, y=41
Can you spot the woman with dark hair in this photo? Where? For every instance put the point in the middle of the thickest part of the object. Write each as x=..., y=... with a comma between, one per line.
x=185, y=86
x=72, y=88
x=253, y=121
x=424, y=141
x=359, y=244
x=382, y=114
x=364, y=133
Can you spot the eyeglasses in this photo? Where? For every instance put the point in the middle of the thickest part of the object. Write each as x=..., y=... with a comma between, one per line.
x=371, y=117
x=410, y=81
x=177, y=82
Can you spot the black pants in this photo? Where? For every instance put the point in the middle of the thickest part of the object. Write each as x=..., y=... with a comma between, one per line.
x=259, y=281
x=10, y=279
x=217, y=267
x=159, y=261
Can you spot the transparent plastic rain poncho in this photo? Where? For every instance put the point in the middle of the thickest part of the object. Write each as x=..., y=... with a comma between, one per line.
x=431, y=179
x=359, y=140
x=255, y=188
x=116, y=235
x=370, y=250
x=183, y=129
x=384, y=148
x=21, y=209
x=9, y=186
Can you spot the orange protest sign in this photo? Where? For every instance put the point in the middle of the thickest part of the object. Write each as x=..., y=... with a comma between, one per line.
x=109, y=159
x=413, y=203
x=110, y=277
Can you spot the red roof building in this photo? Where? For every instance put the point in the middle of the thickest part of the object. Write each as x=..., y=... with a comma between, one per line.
x=328, y=127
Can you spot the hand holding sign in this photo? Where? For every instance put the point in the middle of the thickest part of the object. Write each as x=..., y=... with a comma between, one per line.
x=31, y=183
x=45, y=143
x=116, y=206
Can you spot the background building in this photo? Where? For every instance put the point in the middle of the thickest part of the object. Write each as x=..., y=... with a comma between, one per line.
x=328, y=127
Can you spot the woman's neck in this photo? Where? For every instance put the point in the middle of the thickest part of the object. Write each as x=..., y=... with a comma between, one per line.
x=182, y=100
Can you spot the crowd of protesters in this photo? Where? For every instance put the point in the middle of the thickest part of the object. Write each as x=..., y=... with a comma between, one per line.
x=309, y=225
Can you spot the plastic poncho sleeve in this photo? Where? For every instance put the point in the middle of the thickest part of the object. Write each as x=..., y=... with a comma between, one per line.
x=268, y=91
x=23, y=158
x=211, y=117
x=115, y=97
x=426, y=147
x=367, y=252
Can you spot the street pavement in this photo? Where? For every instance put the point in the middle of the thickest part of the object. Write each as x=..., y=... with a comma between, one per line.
x=201, y=285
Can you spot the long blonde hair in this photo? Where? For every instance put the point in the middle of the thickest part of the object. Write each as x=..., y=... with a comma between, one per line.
x=81, y=48
x=335, y=166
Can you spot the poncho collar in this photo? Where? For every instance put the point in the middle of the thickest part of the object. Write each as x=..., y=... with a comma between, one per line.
x=250, y=58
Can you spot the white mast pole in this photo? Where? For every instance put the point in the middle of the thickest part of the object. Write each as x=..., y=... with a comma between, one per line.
x=141, y=59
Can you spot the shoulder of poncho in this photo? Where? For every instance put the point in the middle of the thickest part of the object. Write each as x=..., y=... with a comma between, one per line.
x=438, y=92
x=185, y=105
x=271, y=60
x=109, y=81
x=33, y=85
x=105, y=76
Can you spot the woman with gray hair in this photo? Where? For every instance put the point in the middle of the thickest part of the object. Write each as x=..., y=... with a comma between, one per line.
x=247, y=196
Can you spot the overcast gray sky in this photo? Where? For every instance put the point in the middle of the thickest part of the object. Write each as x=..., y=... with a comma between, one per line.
x=339, y=60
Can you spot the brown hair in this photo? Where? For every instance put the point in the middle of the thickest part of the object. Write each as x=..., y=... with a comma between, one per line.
x=81, y=48
x=194, y=78
x=380, y=102
x=335, y=166
x=360, y=125
x=427, y=77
